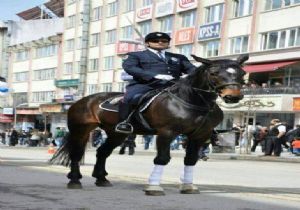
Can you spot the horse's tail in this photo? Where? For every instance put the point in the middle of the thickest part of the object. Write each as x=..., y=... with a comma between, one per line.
x=62, y=155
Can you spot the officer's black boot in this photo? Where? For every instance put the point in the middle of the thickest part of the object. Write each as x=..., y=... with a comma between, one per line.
x=124, y=126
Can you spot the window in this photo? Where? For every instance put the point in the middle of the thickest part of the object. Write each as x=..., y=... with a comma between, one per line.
x=71, y=21
x=21, y=76
x=44, y=96
x=97, y=13
x=273, y=4
x=106, y=87
x=188, y=19
x=129, y=6
x=77, y=67
x=110, y=36
x=281, y=39
x=186, y=50
x=127, y=32
x=146, y=2
x=239, y=44
x=44, y=74
x=112, y=9
x=93, y=64
x=166, y=24
x=243, y=7
x=145, y=27
x=214, y=13
x=80, y=18
x=91, y=89
x=108, y=62
x=211, y=48
x=45, y=51
x=68, y=68
x=70, y=44
x=22, y=55
x=79, y=42
x=122, y=86
x=95, y=38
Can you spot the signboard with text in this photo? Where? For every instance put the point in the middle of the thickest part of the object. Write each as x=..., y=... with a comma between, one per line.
x=123, y=47
x=209, y=31
x=185, y=36
x=144, y=13
x=183, y=5
x=296, y=104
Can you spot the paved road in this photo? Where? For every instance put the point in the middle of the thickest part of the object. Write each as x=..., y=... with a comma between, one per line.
x=28, y=182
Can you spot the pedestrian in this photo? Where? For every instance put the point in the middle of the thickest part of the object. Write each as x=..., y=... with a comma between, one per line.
x=151, y=69
x=256, y=134
x=296, y=146
x=130, y=143
x=59, y=135
x=273, y=138
x=147, y=141
x=292, y=135
x=13, y=137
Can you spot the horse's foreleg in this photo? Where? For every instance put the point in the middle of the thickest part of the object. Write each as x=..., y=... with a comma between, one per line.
x=103, y=152
x=162, y=158
x=74, y=175
x=190, y=160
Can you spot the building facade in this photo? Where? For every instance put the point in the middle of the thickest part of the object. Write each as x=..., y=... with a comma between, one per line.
x=97, y=34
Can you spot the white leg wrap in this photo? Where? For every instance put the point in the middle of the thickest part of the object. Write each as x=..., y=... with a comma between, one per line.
x=155, y=176
x=187, y=175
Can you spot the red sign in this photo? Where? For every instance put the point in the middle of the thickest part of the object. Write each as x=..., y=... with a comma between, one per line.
x=144, y=13
x=29, y=111
x=184, y=36
x=123, y=47
x=183, y=5
x=6, y=118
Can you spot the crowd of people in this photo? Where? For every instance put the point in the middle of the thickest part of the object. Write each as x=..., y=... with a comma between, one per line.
x=32, y=137
x=272, y=138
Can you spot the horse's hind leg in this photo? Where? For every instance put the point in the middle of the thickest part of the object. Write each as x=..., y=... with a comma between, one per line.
x=76, y=144
x=113, y=140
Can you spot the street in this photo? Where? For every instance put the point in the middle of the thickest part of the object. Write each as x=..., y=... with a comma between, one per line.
x=28, y=182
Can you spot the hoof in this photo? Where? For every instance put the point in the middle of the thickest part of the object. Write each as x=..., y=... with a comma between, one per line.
x=103, y=182
x=154, y=190
x=189, y=189
x=74, y=185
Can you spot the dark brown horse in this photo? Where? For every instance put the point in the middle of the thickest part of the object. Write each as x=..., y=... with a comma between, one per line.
x=187, y=107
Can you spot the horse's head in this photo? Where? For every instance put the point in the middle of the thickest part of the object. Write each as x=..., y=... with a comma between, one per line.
x=225, y=77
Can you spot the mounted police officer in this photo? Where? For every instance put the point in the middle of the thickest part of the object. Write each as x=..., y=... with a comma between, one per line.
x=151, y=69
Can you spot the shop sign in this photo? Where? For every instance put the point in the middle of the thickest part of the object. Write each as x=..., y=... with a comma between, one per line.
x=68, y=97
x=185, y=36
x=28, y=111
x=6, y=118
x=67, y=83
x=123, y=47
x=183, y=5
x=209, y=31
x=296, y=104
x=53, y=108
x=144, y=13
x=164, y=8
x=8, y=111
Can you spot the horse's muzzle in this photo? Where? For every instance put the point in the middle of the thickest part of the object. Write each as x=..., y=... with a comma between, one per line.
x=231, y=95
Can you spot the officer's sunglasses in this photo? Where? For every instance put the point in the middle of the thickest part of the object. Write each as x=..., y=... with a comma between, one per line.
x=159, y=40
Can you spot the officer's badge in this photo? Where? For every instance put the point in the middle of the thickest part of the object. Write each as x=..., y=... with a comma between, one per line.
x=158, y=34
x=174, y=59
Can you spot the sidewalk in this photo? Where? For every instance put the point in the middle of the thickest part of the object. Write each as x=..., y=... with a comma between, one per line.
x=238, y=155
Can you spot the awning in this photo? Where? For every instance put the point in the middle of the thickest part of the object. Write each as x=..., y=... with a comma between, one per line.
x=267, y=66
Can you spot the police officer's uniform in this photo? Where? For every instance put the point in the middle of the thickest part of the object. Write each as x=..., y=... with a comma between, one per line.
x=143, y=66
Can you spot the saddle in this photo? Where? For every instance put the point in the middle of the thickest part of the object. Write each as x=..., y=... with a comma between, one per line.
x=137, y=119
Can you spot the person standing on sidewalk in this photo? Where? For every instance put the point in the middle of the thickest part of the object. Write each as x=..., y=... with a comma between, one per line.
x=274, y=138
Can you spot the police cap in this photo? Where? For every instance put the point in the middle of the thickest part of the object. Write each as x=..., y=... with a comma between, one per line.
x=157, y=35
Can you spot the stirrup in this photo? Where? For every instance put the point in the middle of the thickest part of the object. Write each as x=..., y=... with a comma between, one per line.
x=124, y=131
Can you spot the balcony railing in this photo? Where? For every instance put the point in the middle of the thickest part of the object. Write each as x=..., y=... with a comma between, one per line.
x=271, y=90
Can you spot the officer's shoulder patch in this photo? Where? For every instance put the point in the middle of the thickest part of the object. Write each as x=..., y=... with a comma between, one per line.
x=125, y=57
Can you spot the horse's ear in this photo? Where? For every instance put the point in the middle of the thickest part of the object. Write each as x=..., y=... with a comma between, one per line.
x=242, y=58
x=202, y=60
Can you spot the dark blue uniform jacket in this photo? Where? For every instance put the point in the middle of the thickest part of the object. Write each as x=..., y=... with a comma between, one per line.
x=145, y=65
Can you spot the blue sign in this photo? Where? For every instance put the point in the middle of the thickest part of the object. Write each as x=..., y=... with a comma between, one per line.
x=3, y=88
x=209, y=31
